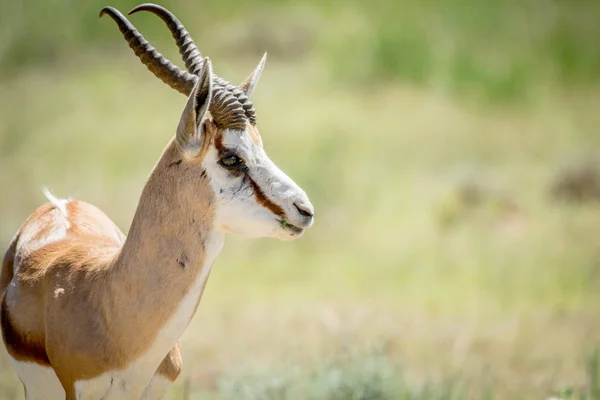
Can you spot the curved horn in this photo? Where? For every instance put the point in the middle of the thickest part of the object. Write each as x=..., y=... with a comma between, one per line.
x=187, y=48
x=156, y=63
x=229, y=107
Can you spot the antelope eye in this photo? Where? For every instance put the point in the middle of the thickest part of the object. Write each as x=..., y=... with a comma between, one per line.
x=231, y=161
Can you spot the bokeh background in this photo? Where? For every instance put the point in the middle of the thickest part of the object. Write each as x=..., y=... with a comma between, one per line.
x=450, y=147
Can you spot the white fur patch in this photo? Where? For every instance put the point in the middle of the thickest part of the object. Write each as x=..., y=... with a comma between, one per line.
x=239, y=210
x=54, y=226
x=60, y=204
x=157, y=388
x=40, y=382
x=132, y=382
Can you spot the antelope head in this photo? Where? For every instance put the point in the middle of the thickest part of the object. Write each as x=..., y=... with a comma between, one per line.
x=254, y=197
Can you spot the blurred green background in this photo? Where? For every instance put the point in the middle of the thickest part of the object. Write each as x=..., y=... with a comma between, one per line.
x=451, y=150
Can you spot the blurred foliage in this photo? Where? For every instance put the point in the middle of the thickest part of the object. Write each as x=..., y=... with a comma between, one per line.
x=498, y=50
x=578, y=181
x=369, y=376
x=349, y=376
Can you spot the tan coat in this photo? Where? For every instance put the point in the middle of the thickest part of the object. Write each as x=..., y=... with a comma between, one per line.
x=120, y=292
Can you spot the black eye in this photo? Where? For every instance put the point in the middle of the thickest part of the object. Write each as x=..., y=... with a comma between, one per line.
x=231, y=161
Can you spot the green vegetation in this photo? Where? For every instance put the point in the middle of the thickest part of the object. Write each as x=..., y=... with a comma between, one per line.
x=371, y=376
x=499, y=51
x=430, y=136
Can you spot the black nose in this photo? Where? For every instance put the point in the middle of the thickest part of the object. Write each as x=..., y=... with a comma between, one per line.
x=303, y=211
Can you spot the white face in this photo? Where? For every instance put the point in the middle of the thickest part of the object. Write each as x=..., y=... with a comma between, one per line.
x=255, y=198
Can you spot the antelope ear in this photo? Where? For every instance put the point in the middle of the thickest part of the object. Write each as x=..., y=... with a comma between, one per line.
x=189, y=131
x=250, y=83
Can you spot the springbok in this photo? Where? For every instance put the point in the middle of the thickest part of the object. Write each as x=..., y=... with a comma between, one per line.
x=88, y=313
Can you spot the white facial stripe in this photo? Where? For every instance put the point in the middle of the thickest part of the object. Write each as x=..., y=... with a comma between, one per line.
x=271, y=184
x=252, y=204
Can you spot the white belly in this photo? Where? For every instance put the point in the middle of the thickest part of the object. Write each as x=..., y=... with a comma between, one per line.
x=40, y=382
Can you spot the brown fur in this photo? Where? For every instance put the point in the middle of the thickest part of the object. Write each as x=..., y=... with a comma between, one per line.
x=7, y=274
x=171, y=366
x=219, y=142
x=254, y=135
x=120, y=292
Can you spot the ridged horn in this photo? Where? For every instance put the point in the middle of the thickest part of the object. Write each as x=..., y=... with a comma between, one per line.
x=230, y=107
x=187, y=48
x=156, y=63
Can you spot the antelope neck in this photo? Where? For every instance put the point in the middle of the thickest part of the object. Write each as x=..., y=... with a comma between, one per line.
x=170, y=244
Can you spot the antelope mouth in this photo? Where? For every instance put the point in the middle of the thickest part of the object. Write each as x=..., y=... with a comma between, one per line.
x=289, y=227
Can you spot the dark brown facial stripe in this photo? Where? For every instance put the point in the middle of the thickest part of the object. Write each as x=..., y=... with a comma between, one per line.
x=264, y=200
x=219, y=142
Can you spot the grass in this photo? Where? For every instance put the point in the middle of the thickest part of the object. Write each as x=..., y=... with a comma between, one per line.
x=373, y=376
x=506, y=285
x=440, y=265
x=498, y=52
